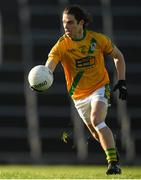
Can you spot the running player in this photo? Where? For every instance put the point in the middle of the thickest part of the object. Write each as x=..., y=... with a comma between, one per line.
x=81, y=53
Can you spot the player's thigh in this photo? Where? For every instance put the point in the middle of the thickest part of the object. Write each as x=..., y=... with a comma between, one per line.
x=98, y=112
x=83, y=107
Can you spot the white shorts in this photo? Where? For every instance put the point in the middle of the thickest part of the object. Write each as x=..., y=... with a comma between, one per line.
x=83, y=106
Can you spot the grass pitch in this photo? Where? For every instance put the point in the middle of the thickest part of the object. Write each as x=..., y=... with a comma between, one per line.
x=65, y=172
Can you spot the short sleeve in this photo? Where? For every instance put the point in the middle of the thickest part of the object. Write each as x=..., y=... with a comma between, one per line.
x=107, y=45
x=55, y=54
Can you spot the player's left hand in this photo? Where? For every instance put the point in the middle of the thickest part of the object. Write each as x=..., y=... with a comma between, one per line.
x=121, y=86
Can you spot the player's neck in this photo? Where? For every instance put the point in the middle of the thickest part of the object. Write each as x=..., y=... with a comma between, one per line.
x=80, y=35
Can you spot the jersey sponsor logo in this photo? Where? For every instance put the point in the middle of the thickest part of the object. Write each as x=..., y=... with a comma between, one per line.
x=86, y=62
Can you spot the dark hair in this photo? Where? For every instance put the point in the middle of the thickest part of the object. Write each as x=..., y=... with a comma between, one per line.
x=79, y=14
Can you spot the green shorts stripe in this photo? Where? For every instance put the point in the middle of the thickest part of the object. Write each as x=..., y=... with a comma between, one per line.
x=107, y=93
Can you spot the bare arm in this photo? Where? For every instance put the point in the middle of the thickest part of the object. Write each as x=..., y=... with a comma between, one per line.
x=120, y=67
x=51, y=65
x=119, y=63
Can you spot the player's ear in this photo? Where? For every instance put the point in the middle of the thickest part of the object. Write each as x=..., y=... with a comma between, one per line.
x=81, y=22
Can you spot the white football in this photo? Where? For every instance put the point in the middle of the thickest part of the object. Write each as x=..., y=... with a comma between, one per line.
x=40, y=78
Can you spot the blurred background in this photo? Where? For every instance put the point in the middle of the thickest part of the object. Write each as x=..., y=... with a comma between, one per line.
x=32, y=125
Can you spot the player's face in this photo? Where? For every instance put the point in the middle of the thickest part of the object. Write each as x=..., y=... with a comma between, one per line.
x=72, y=28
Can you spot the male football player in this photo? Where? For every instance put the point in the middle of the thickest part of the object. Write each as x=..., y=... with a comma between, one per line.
x=81, y=53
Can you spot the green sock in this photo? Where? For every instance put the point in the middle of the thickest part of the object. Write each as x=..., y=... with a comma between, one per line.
x=111, y=154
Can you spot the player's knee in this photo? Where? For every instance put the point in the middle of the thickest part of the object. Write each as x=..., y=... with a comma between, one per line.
x=100, y=126
x=94, y=120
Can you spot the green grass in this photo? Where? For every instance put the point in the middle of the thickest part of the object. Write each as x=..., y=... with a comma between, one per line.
x=65, y=172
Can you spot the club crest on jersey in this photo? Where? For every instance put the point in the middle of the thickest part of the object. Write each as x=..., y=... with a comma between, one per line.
x=92, y=45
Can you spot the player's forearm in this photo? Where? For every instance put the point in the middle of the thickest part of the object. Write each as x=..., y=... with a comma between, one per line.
x=120, y=67
x=51, y=65
x=119, y=63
